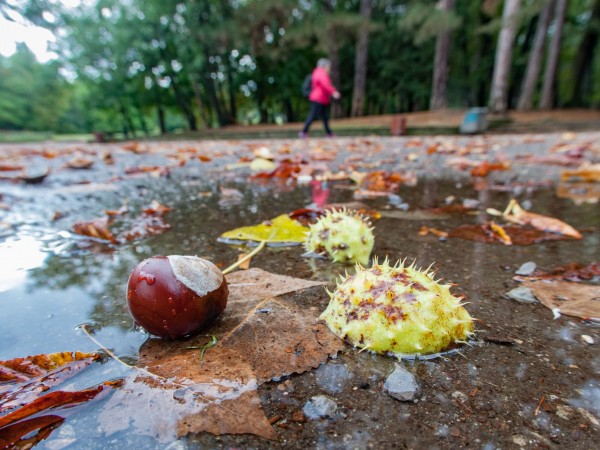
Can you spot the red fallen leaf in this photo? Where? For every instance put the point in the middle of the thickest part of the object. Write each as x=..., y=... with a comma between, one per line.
x=10, y=167
x=285, y=169
x=519, y=235
x=485, y=167
x=14, y=427
x=97, y=228
x=22, y=379
x=306, y=216
x=19, y=435
x=571, y=272
x=515, y=214
x=381, y=181
x=204, y=158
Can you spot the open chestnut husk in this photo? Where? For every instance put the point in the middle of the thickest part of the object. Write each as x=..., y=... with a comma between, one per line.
x=176, y=296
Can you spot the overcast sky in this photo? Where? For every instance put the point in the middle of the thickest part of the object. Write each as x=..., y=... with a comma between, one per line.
x=35, y=38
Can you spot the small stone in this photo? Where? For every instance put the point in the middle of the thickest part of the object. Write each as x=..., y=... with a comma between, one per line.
x=526, y=269
x=460, y=396
x=455, y=432
x=587, y=339
x=320, y=406
x=519, y=439
x=522, y=295
x=402, y=385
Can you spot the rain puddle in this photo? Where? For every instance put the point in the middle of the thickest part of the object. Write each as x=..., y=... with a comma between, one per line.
x=528, y=379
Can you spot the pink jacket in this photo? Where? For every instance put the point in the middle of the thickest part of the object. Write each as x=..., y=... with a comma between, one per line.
x=322, y=89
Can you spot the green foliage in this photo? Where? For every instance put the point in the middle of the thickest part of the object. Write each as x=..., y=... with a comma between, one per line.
x=143, y=66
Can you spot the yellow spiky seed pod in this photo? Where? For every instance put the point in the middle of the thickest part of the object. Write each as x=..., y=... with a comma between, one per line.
x=343, y=235
x=397, y=309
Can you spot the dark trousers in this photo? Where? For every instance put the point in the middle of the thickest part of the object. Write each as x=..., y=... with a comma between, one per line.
x=317, y=110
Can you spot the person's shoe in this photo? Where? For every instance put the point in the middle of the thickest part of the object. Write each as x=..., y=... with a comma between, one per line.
x=331, y=135
x=302, y=135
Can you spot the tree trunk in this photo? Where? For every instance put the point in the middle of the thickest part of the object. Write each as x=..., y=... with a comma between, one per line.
x=230, y=89
x=535, y=59
x=334, y=57
x=547, y=98
x=182, y=101
x=585, y=58
x=360, y=61
x=439, y=99
x=161, y=119
x=204, y=114
x=499, y=91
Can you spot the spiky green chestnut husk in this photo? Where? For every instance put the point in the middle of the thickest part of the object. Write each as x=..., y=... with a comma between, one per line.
x=397, y=309
x=344, y=236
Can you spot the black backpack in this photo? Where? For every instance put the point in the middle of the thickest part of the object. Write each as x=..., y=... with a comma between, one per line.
x=307, y=85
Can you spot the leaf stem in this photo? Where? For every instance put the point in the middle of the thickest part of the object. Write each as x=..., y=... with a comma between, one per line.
x=245, y=258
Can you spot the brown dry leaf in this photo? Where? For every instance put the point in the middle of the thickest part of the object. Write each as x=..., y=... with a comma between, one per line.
x=97, y=228
x=569, y=298
x=515, y=214
x=580, y=192
x=424, y=231
x=570, y=272
x=519, y=235
x=219, y=395
x=590, y=173
x=246, y=264
x=80, y=162
x=485, y=168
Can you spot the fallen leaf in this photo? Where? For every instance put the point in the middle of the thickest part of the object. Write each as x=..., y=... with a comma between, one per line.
x=281, y=230
x=382, y=181
x=246, y=264
x=22, y=379
x=515, y=214
x=80, y=162
x=485, y=168
x=570, y=272
x=589, y=173
x=10, y=167
x=23, y=383
x=580, y=192
x=97, y=228
x=424, y=231
x=569, y=298
x=285, y=169
x=519, y=235
x=220, y=396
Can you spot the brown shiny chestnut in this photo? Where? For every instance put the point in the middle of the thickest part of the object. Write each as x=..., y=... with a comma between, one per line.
x=176, y=296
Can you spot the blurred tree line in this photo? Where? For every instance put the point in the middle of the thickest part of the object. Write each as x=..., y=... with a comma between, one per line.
x=158, y=66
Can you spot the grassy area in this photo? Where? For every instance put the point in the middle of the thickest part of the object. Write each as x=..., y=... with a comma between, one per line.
x=16, y=137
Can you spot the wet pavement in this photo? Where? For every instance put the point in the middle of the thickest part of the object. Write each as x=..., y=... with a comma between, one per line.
x=529, y=380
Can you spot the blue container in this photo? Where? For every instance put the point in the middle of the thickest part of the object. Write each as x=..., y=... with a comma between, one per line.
x=474, y=121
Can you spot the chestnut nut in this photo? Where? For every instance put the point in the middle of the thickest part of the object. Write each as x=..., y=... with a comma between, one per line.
x=175, y=296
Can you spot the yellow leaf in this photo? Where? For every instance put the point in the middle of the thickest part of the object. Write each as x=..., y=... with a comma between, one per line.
x=280, y=230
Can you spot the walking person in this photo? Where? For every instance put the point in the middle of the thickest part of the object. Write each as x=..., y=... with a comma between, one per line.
x=320, y=97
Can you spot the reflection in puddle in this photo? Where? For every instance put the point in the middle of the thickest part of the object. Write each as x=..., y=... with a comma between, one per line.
x=589, y=398
x=16, y=258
